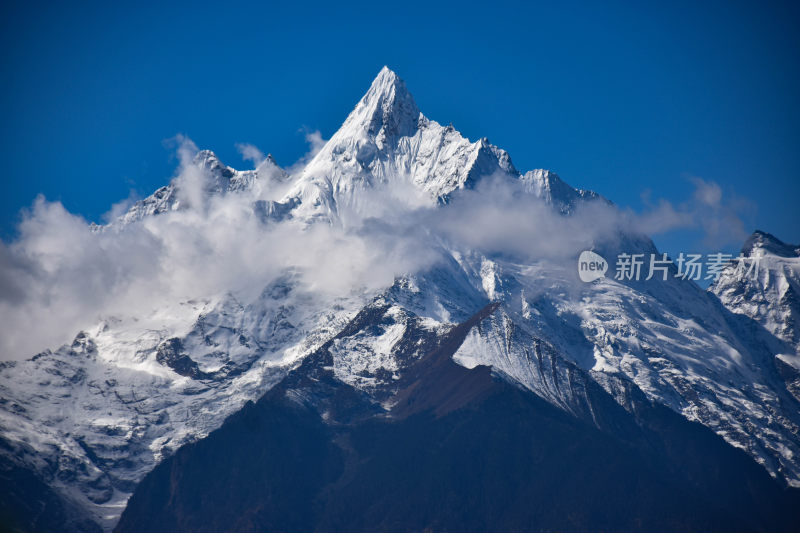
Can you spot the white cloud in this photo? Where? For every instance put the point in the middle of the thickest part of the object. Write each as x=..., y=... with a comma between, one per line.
x=719, y=218
x=707, y=193
x=315, y=141
x=120, y=208
x=59, y=276
x=251, y=153
x=315, y=144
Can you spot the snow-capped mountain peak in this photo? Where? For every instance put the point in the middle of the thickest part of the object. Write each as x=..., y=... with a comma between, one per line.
x=130, y=390
x=211, y=177
x=766, y=288
x=208, y=161
x=555, y=191
x=387, y=141
x=768, y=243
x=386, y=111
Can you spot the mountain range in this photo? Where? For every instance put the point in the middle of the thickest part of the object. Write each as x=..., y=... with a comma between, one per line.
x=477, y=385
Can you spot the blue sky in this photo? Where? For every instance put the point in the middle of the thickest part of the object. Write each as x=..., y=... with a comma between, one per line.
x=628, y=99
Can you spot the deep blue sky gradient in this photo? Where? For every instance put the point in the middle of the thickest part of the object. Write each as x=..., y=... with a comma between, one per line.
x=619, y=97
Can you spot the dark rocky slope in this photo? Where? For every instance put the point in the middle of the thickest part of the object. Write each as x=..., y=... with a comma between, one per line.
x=459, y=450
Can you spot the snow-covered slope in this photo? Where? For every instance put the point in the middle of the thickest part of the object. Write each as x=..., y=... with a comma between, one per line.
x=211, y=177
x=386, y=141
x=765, y=287
x=669, y=339
x=94, y=416
x=98, y=414
x=553, y=190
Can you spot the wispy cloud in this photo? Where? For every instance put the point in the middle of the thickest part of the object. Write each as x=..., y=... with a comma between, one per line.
x=120, y=208
x=251, y=153
x=315, y=144
x=719, y=218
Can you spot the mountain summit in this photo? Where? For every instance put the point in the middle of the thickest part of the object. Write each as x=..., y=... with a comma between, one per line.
x=387, y=111
x=386, y=140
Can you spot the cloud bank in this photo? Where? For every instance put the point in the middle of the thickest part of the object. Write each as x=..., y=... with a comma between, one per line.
x=61, y=274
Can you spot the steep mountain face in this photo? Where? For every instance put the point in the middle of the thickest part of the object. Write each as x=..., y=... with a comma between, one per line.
x=553, y=190
x=614, y=366
x=458, y=450
x=765, y=286
x=387, y=141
